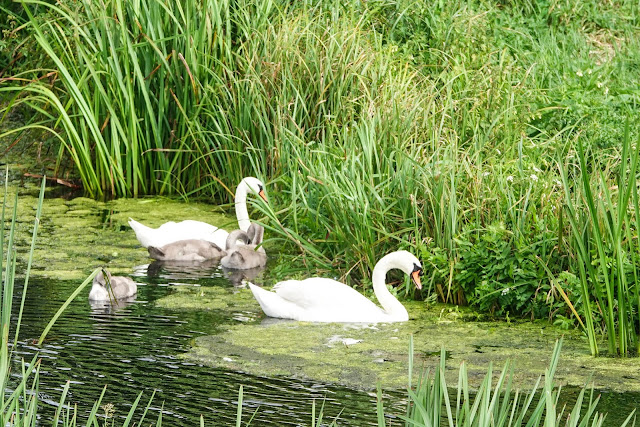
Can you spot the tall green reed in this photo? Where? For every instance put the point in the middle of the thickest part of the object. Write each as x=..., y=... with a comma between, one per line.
x=20, y=406
x=603, y=211
x=127, y=84
x=432, y=402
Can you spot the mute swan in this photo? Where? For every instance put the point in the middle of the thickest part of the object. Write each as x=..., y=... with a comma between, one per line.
x=173, y=231
x=325, y=300
x=243, y=257
x=186, y=250
x=121, y=287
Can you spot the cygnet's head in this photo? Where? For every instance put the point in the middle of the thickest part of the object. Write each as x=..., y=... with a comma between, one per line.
x=99, y=278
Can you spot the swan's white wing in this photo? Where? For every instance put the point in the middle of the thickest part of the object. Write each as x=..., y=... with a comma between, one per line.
x=317, y=291
x=274, y=305
x=187, y=226
x=326, y=300
x=170, y=232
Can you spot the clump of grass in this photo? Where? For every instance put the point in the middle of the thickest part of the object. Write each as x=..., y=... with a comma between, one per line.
x=499, y=404
x=126, y=88
x=20, y=406
x=604, y=219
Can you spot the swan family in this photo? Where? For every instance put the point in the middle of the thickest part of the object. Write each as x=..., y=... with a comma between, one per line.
x=315, y=299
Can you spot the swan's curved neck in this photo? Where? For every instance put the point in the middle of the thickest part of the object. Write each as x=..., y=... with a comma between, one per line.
x=391, y=306
x=241, y=206
x=233, y=238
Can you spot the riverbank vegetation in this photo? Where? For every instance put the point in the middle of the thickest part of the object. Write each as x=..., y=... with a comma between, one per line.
x=496, y=140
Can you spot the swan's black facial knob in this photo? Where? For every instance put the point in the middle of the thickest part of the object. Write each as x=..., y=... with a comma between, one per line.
x=415, y=275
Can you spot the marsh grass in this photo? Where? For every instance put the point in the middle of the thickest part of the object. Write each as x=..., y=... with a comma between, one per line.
x=126, y=87
x=497, y=402
x=604, y=220
x=18, y=406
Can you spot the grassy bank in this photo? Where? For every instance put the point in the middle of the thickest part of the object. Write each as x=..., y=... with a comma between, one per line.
x=450, y=129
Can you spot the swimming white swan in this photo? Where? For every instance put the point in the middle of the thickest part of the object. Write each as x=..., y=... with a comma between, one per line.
x=325, y=300
x=121, y=287
x=247, y=256
x=170, y=232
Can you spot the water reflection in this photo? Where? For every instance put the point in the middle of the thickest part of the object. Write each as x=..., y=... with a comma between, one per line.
x=110, y=307
x=237, y=276
x=178, y=270
x=190, y=270
x=135, y=346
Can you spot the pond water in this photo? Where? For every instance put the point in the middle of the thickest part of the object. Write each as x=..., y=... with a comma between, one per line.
x=136, y=348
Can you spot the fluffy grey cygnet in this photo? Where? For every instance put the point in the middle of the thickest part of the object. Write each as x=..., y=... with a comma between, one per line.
x=249, y=255
x=121, y=287
x=186, y=250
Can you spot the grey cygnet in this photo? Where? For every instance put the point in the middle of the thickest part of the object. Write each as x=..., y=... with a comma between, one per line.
x=186, y=250
x=121, y=287
x=249, y=255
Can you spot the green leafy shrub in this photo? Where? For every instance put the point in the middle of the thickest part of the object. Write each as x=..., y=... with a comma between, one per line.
x=501, y=276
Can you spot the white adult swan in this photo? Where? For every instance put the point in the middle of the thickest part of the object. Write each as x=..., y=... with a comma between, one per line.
x=325, y=300
x=170, y=232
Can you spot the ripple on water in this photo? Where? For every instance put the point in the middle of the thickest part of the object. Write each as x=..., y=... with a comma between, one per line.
x=135, y=346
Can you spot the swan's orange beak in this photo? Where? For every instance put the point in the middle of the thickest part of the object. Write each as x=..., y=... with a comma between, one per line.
x=262, y=194
x=415, y=276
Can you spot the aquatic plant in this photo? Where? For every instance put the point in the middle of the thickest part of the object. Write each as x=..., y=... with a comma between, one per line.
x=128, y=82
x=430, y=403
x=604, y=223
x=19, y=407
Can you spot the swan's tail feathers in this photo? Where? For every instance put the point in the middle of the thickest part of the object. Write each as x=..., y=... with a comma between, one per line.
x=273, y=305
x=142, y=232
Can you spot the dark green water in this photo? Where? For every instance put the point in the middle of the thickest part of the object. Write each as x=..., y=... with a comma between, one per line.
x=136, y=348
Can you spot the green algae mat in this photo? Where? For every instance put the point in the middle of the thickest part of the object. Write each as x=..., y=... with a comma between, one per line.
x=363, y=355
x=78, y=235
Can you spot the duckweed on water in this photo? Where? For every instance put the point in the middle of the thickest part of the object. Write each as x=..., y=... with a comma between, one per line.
x=208, y=298
x=80, y=234
x=360, y=356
